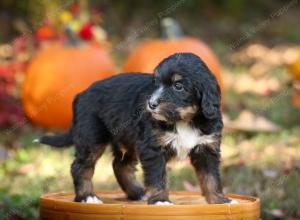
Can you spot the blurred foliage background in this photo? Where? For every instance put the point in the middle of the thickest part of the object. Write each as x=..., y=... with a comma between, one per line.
x=257, y=43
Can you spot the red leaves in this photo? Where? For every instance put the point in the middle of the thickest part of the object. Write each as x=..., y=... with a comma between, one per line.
x=6, y=78
x=10, y=110
x=86, y=32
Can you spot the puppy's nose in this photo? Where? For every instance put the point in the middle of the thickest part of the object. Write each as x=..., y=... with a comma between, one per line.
x=153, y=104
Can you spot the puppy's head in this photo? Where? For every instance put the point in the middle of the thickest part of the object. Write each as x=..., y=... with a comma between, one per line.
x=184, y=87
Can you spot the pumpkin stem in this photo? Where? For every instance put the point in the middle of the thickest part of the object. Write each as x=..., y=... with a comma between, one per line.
x=72, y=38
x=170, y=29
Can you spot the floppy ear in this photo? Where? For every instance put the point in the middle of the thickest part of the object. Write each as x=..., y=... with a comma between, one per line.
x=210, y=99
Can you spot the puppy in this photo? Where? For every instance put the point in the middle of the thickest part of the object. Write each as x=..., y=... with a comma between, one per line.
x=151, y=118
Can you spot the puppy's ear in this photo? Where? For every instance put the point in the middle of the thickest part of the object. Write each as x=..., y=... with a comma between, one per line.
x=209, y=96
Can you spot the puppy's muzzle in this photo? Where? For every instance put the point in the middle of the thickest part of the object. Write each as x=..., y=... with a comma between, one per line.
x=155, y=99
x=153, y=104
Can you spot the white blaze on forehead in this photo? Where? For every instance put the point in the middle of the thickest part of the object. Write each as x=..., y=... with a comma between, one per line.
x=157, y=94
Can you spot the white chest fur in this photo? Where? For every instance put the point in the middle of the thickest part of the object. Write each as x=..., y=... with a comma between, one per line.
x=185, y=139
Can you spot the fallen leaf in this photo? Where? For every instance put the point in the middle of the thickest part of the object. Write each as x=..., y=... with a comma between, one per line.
x=247, y=121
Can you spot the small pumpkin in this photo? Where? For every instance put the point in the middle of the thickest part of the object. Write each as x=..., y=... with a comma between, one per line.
x=146, y=56
x=56, y=75
x=46, y=32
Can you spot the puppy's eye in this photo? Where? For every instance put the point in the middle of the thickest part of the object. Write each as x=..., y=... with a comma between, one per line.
x=178, y=86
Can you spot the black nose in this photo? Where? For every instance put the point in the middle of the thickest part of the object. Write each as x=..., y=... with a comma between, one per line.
x=153, y=104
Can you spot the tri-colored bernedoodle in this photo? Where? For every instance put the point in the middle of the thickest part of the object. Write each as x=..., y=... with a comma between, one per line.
x=149, y=118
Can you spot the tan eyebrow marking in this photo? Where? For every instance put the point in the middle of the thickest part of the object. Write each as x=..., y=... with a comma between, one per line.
x=176, y=77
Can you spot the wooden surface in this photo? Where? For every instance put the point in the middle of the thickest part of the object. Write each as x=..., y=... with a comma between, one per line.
x=187, y=205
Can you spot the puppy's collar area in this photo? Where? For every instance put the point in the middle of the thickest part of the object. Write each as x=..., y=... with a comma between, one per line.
x=184, y=138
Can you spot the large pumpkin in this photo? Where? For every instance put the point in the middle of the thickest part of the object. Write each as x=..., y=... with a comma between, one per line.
x=295, y=72
x=146, y=56
x=56, y=75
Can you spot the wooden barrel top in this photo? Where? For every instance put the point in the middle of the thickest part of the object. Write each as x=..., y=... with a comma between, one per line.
x=187, y=205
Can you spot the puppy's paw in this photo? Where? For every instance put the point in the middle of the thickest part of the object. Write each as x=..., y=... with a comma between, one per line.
x=233, y=201
x=163, y=203
x=137, y=193
x=92, y=199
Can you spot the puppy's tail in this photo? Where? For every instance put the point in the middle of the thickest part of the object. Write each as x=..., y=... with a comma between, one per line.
x=61, y=140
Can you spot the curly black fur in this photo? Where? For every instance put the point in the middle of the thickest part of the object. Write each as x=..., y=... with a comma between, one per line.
x=135, y=113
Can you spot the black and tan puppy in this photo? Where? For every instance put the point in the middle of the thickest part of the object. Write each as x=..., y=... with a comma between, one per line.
x=150, y=118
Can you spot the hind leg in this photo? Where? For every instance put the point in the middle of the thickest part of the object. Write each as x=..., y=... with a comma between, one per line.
x=82, y=171
x=90, y=138
x=124, y=167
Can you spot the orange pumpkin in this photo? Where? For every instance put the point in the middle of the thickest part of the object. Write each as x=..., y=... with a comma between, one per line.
x=146, y=56
x=294, y=70
x=45, y=32
x=56, y=75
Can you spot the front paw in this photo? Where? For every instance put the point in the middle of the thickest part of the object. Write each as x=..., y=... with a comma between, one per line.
x=159, y=201
x=156, y=195
x=88, y=199
x=163, y=203
x=231, y=201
